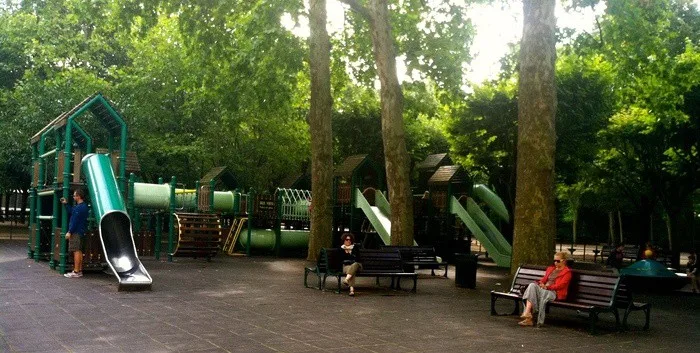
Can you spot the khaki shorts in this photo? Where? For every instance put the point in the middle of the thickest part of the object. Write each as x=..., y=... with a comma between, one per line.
x=74, y=243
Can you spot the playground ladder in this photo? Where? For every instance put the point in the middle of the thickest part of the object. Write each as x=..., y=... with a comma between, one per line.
x=233, y=234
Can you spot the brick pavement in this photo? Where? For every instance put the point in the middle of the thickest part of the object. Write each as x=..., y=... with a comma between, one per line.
x=258, y=304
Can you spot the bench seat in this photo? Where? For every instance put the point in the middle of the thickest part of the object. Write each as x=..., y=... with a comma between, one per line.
x=589, y=292
x=375, y=263
x=420, y=256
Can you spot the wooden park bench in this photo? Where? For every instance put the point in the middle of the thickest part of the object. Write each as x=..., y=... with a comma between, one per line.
x=421, y=256
x=327, y=265
x=629, y=253
x=589, y=292
x=375, y=263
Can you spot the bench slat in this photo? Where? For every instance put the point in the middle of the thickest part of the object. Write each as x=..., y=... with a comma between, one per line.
x=589, y=291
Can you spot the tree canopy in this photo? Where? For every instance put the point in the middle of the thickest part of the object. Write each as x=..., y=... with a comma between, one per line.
x=207, y=83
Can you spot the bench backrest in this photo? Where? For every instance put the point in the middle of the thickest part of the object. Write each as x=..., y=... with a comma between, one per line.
x=525, y=275
x=624, y=295
x=631, y=252
x=586, y=287
x=605, y=252
x=330, y=259
x=593, y=288
x=380, y=261
x=414, y=253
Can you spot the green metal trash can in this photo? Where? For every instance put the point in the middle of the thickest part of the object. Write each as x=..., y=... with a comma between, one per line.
x=465, y=270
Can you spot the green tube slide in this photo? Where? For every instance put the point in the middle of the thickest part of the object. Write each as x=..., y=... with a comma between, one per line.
x=152, y=196
x=157, y=197
x=114, y=224
x=224, y=201
x=264, y=239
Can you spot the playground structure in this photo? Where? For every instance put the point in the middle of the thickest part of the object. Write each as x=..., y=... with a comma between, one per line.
x=132, y=218
x=129, y=216
x=444, y=214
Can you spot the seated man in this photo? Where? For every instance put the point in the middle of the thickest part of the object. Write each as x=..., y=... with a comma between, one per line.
x=554, y=285
x=616, y=257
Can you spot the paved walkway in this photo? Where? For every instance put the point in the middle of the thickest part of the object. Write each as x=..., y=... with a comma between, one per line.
x=258, y=304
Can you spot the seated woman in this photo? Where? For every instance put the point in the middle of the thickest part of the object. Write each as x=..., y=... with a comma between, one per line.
x=554, y=285
x=349, y=255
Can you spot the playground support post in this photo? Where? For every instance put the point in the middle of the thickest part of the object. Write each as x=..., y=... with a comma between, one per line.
x=159, y=227
x=41, y=180
x=278, y=222
x=32, y=201
x=249, y=203
x=212, y=184
x=196, y=195
x=68, y=150
x=130, y=200
x=171, y=223
x=54, y=220
x=236, y=201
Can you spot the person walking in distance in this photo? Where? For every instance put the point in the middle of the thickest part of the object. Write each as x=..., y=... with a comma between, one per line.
x=76, y=231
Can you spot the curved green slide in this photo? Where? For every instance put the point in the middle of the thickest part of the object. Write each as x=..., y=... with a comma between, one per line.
x=492, y=200
x=114, y=224
x=483, y=229
x=377, y=215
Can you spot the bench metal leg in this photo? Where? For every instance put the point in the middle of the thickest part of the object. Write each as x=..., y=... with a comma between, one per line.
x=338, y=291
x=516, y=307
x=624, y=318
x=617, y=320
x=445, y=275
x=592, y=320
x=647, y=313
x=306, y=275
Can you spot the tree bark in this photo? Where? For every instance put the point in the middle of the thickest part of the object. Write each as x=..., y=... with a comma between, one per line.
x=619, y=223
x=320, y=130
x=611, y=228
x=535, y=213
x=575, y=227
x=393, y=132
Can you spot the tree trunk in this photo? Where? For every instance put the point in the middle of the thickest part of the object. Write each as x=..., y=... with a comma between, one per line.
x=575, y=226
x=393, y=133
x=669, y=220
x=611, y=228
x=535, y=213
x=619, y=223
x=320, y=130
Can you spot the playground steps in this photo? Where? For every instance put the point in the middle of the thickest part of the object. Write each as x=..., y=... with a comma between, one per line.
x=233, y=234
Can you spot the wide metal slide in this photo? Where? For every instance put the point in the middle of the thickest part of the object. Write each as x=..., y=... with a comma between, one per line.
x=114, y=224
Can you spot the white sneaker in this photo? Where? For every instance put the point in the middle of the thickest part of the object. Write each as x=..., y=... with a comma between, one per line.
x=72, y=274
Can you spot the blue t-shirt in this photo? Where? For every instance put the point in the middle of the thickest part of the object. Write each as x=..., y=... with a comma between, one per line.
x=78, y=218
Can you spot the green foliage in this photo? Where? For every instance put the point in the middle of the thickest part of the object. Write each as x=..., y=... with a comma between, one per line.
x=432, y=36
